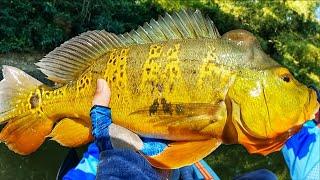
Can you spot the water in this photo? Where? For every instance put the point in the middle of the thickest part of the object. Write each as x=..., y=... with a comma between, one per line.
x=43, y=164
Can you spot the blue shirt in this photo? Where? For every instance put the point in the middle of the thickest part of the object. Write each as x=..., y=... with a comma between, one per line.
x=302, y=152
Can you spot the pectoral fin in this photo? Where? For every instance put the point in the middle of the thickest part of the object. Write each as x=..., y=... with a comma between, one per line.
x=71, y=133
x=184, y=121
x=179, y=154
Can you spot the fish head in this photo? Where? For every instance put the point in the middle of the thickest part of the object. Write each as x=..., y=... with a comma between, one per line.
x=292, y=103
x=268, y=104
x=271, y=101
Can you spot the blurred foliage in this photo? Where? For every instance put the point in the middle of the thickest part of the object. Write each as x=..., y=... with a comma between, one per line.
x=229, y=161
x=44, y=24
x=287, y=30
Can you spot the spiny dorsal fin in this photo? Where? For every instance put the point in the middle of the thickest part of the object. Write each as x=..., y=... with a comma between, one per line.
x=67, y=62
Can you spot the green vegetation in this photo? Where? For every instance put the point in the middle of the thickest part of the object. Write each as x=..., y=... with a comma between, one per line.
x=43, y=25
x=287, y=30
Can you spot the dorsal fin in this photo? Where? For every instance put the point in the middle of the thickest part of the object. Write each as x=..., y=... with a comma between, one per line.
x=67, y=62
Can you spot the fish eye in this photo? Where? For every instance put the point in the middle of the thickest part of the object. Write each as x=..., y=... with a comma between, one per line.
x=286, y=78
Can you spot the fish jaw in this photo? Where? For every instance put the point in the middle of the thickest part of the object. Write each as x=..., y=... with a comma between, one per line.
x=313, y=106
x=265, y=146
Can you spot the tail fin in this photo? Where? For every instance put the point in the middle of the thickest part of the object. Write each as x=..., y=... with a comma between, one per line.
x=20, y=97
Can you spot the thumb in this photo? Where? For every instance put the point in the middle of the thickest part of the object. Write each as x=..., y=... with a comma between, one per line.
x=102, y=94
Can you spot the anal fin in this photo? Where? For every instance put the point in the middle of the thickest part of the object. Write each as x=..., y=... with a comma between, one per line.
x=179, y=154
x=71, y=132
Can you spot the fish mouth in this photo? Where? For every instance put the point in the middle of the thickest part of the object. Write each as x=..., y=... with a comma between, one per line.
x=311, y=106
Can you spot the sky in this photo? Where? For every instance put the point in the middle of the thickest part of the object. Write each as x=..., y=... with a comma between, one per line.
x=318, y=13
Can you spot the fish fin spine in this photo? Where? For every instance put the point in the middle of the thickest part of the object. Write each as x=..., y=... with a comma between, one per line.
x=66, y=62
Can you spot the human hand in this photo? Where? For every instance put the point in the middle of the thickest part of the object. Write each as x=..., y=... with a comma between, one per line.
x=114, y=135
x=111, y=136
x=102, y=94
x=100, y=115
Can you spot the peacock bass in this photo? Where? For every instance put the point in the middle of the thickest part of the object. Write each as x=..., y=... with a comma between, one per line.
x=175, y=78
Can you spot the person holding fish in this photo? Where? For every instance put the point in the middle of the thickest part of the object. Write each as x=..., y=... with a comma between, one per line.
x=121, y=161
x=303, y=161
x=118, y=158
x=175, y=79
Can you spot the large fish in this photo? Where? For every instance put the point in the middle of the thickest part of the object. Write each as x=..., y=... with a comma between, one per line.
x=175, y=79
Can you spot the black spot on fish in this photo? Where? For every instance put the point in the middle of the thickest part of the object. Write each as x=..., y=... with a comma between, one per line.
x=171, y=87
x=212, y=121
x=174, y=71
x=167, y=107
x=179, y=109
x=121, y=74
x=154, y=107
x=148, y=70
x=87, y=81
x=34, y=100
x=163, y=101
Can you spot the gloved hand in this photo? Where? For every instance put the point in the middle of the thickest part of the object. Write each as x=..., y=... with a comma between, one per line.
x=113, y=141
x=108, y=135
